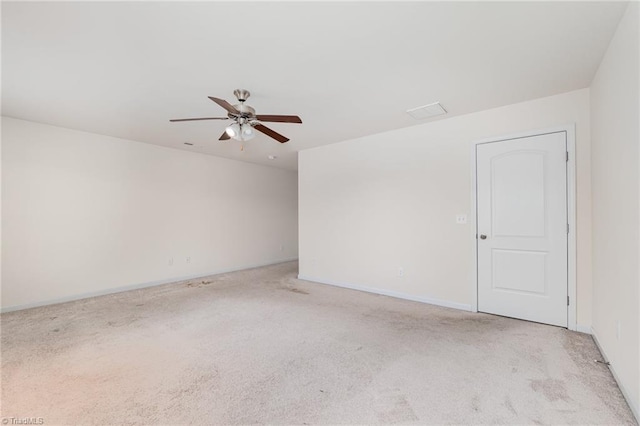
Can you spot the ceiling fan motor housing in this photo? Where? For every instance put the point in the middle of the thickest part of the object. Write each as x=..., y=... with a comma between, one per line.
x=245, y=110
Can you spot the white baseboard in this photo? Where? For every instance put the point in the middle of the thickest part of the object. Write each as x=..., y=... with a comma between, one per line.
x=632, y=404
x=134, y=287
x=445, y=303
x=582, y=328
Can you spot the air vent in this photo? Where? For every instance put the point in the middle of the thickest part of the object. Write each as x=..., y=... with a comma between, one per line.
x=427, y=111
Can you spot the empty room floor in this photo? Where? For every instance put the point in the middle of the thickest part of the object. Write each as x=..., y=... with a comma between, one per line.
x=260, y=346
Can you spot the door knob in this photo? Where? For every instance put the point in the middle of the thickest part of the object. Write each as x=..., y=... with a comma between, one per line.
x=483, y=237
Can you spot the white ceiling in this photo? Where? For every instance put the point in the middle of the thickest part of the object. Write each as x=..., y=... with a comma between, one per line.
x=348, y=69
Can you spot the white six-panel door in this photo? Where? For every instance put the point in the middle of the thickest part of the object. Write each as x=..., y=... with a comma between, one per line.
x=522, y=228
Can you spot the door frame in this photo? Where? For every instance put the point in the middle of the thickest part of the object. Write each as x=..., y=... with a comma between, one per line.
x=570, y=130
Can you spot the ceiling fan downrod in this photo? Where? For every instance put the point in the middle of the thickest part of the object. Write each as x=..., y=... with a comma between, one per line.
x=246, y=111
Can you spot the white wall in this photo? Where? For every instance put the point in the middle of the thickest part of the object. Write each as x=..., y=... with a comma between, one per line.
x=615, y=115
x=84, y=213
x=371, y=205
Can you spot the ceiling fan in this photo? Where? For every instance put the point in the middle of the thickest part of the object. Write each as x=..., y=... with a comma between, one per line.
x=245, y=119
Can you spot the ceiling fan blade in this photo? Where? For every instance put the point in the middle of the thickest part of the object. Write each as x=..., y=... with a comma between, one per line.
x=197, y=119
x=271, y=133
x=226, y=105
x=224, y=136
x=280, y=118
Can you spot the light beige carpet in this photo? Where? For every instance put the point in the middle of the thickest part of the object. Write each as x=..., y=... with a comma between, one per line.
x=260, y=346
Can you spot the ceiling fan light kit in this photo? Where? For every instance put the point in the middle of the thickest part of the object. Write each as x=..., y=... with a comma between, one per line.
x=245, y=119
x=240, y=132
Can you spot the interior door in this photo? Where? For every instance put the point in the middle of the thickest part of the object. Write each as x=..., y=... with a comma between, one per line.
x=522, y=228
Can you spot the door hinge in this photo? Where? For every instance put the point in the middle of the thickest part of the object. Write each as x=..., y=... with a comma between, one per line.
x=567, y=156
x=567, y=300
x=567, y=228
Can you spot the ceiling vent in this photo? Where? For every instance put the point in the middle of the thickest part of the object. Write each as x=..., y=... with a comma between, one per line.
x=427, y=111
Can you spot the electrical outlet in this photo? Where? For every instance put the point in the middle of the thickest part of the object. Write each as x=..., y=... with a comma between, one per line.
x=461, y=219
x=171, y=261
x=188, y=259
x=401, y=272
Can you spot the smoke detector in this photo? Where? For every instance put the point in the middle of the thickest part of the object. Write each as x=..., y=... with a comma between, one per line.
x=427, y=111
